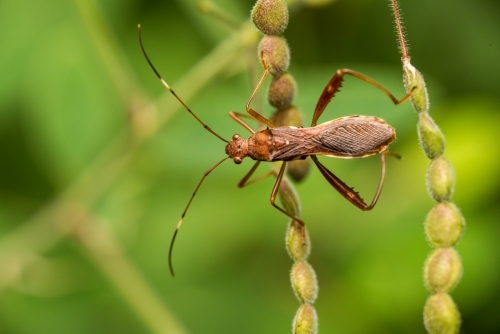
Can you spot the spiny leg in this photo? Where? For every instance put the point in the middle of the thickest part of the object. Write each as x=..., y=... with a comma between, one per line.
x=348, y=192
x=184, y=214
x=334, y=85
x=171, y=91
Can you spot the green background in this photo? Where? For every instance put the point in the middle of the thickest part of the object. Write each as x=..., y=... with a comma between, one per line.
x=97, y=162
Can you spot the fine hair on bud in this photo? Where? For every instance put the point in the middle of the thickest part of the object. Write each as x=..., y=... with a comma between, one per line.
x=270, y=16
x=275, y=53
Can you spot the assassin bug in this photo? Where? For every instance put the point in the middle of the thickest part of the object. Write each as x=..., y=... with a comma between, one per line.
x=346, y=137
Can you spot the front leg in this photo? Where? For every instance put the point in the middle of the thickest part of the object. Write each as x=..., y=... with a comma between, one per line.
x=336, y=82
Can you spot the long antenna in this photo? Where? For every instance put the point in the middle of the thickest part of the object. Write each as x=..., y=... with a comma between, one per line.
x=184, y=214
x=171, y=91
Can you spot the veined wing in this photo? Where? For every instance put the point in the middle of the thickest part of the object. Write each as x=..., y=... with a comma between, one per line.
x=355, y=136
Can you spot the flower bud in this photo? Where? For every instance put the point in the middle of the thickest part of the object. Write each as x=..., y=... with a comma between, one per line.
x=431, y=138
x=444, y=225
x=270, y=16
x=297, y=247
x=442, y=270
x=413, y=78
x=299, y=169
x=287, y=117
x=275, y=53
x=306, y=320
x=440, y=179
x=281, y=91
x=304, y=282
x=441, y=315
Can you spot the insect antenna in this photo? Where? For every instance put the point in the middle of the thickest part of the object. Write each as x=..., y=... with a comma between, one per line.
x=171, y=91
x=184, y=214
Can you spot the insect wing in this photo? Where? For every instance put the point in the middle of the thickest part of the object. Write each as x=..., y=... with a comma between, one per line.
x=356, y=136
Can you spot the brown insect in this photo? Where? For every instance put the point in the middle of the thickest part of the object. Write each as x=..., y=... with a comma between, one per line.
x=346, y=137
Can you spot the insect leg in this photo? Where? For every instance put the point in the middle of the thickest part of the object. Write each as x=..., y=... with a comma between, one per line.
x=274, y=193
x=237, y=117
x=184, y=214
x=334, y=85
x=252, y=112
x=346, y=191
x=244, y=182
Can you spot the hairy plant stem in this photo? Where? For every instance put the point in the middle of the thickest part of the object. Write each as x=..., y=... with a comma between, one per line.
x=444, y=224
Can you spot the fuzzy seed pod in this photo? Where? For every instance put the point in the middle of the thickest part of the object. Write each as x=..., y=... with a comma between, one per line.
x=270, y=16
x=287, y=117
x=281, y=91
x=442, y=270
x=444, y=225
x=275, y=53
x=430, y=136
x=413, y=78
x=440, y=179
x=304, y=282
x=299, y=169
x=306, y=320
x=297, y=248
x=441, y=315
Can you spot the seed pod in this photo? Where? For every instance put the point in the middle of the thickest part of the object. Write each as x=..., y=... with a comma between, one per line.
x=281, y=91
x=306, y=320
x=441, y=315
x=295, y=245
x=440, y=179
x=287, y=117
x=444, y=225
x=270, y=16
x=413, y=78
x=304, y=282
x=431, y=138
x=276, y=54
x=299, y=169
x=442, y=270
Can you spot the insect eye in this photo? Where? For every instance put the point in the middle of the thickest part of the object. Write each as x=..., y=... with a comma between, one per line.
x=237, y=160
x=236, y=137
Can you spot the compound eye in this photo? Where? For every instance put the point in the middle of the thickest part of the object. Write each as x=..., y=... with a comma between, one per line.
x=237, y=160
x=236, y=137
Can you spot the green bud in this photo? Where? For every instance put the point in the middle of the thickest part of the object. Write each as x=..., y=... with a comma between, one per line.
x=441, y=315
x=297, y=247
x=304, y=282
x=270, y=16
x=442, y=270
x=444, y=225
x=289, y=198
x=413, y=78
x=431, y=138
x=281, y=91
x=306, y=320
x=440, y=179
x=287, y=117
x=299, y=169
x=275, y=52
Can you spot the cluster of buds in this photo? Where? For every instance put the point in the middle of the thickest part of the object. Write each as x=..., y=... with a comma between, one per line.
x=444, y=224
x=271, y=18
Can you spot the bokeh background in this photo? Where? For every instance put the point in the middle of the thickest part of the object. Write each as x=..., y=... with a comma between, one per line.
x=97, y=162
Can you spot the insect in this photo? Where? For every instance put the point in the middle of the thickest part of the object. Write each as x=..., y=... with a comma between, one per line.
x=346, y=137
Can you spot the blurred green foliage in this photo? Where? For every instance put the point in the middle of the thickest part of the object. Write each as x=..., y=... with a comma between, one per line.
x=95, y=170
